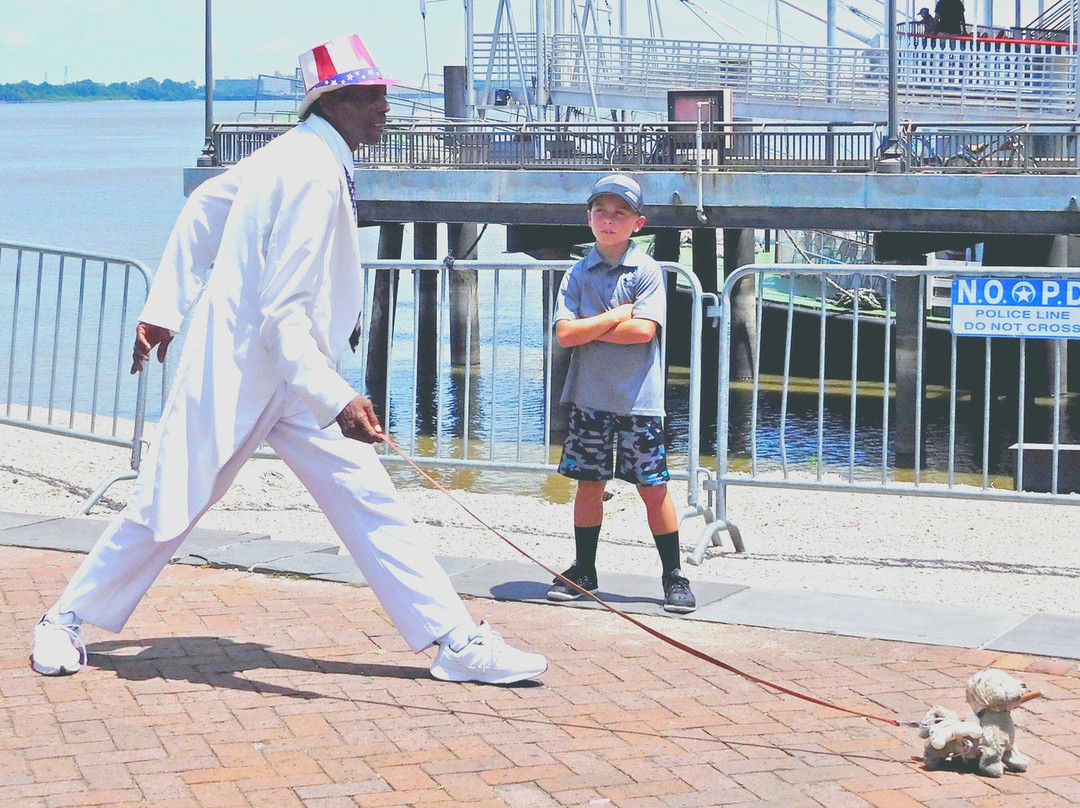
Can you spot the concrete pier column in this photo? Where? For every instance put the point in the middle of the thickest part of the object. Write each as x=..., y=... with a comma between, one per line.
x=703, y=250
x=550, y=244
x=383, y=302
x=1030, y=251
x=666, y=250
x=427, y=329
x=739, y=251
x=1057, y=351
x=464, y=298
x=461, y=239
x=909, y=393
x=1072, y=258
x=1044, y=357
x=705, y=267
x=890, y=248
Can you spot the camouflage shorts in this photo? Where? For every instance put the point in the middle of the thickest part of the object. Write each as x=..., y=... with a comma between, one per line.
x=596, y=437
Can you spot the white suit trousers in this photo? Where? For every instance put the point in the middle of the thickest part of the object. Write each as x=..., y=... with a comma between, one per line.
x=351, y=487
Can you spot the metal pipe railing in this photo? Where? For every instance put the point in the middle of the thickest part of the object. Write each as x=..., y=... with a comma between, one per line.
x=1034, y=146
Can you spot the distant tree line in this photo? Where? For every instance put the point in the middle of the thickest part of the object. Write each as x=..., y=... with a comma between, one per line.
x=146, y=90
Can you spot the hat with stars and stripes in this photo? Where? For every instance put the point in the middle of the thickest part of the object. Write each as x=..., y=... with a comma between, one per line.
x=336, y=64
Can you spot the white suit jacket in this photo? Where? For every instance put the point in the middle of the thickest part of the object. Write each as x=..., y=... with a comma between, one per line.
x=275, y=310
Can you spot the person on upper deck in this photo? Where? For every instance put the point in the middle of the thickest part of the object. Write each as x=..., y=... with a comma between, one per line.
x=262, y=271
x=928, y=21
x=950, y=17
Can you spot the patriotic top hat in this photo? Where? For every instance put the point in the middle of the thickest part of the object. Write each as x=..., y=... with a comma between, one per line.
x=336, y=64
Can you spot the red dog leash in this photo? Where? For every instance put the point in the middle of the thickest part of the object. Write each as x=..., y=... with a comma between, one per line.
x=648, y=629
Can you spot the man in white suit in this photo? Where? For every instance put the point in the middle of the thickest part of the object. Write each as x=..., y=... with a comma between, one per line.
x=265, y=326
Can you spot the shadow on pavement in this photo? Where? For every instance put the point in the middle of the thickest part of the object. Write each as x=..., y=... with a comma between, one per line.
x=220, y=662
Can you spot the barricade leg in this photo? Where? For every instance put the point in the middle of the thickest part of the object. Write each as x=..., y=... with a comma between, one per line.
x=710, y=536
x=92, y=500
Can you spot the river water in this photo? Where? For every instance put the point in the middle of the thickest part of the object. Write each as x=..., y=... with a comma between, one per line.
x=107, y=176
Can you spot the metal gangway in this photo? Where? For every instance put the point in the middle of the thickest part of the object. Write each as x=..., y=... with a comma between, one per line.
x=940, y=77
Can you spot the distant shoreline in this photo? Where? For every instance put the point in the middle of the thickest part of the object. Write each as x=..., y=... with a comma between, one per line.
x=74, y=99
x=148, y=89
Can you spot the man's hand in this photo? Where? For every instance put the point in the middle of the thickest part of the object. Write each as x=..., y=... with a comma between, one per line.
x=358, y=421
x=146, y=337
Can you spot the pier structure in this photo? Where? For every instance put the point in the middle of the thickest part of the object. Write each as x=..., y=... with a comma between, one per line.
x=772, y=137
x=532, y=177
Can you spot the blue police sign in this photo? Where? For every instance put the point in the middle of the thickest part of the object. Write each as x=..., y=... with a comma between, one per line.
x=1047, y=308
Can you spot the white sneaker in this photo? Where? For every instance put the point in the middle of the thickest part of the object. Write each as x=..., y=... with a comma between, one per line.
x=487, y=659
x=58, y=648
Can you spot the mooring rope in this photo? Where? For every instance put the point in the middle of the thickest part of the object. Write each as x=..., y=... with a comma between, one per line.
x=689, y=649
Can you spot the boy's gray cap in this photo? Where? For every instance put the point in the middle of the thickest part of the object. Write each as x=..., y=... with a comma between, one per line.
x=622, y=186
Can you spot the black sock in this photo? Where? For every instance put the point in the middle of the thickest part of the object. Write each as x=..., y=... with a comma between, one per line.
x=585, y=541
x=667, y=544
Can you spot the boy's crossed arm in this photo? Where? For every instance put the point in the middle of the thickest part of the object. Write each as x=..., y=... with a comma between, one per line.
x=617, y=326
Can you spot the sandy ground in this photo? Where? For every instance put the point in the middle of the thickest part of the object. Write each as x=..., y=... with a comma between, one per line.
x=996, y=555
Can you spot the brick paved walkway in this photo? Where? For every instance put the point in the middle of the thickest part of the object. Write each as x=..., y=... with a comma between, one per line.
x=234, y=689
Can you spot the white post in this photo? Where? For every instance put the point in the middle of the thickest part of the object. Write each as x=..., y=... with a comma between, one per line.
x=541, y=29
x=1074, y=36
x=470, y=84
x=208, y=157
x=830, y=42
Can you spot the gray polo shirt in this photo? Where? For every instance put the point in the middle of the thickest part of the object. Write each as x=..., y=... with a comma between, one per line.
x=623, y=379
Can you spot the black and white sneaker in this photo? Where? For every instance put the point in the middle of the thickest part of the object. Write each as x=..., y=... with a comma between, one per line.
x=561, y=591
x=677, y=595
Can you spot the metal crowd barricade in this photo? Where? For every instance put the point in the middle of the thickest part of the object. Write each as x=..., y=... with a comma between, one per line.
x=66, y=330
x=493, y=410
x=991, y=423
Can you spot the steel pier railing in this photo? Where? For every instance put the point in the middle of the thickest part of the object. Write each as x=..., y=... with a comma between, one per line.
x=1034, y=147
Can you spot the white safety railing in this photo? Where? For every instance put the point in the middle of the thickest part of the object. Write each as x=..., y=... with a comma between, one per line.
x=831, y=404
x=954, y=74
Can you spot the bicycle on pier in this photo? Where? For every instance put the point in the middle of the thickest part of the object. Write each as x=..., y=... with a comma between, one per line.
x=919, y=151
x=1010, y=153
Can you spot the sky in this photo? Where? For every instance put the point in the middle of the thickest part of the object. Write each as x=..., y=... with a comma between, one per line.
x=128, y=40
